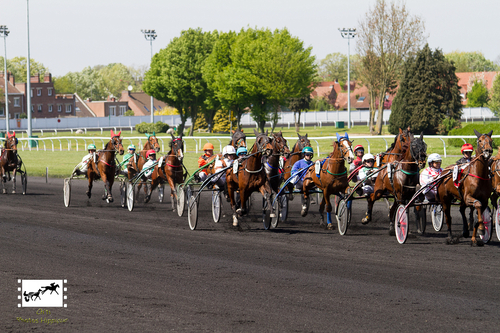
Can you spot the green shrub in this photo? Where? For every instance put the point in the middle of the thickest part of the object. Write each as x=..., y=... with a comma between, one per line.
x=469, y=130
x=129, y=113
x=158, y=127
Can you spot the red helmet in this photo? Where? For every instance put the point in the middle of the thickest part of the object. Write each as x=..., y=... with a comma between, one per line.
x=151, y=151
x=467, y=147
x=358, y=147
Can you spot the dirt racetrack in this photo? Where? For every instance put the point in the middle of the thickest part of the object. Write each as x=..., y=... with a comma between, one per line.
x=146, y=271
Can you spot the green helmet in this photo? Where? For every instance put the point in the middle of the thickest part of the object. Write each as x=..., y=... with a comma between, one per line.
x=91, y=146
x=131, y=147
x=307, y=150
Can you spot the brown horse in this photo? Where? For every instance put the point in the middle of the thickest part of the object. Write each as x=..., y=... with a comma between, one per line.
x=169, y=169
x=332, y=175
x=474, y=189
x=495, y=179
x=272, y=162
x=238, y=139
x=250, y=176
x=401, y=177
x=152, y=143
x=9, y=161
x=105, y=168
x=292, y=158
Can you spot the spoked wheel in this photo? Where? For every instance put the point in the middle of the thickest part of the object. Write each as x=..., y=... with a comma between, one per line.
x=284, y=208
x=488, y=226
x=161, y=191
x=266, y=214
x=216, y=205
x=401, y=224
x=123, y=194
x=343, y=216
x=497, y=220
x=130, y=196
x=67, y=191
x=181, y=200
x=192, y=212
x=437, y=217
x=275, y=213
x=24, y=182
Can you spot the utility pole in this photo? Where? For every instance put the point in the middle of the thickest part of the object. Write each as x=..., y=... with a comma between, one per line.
x=348, y=34
x=151, y=35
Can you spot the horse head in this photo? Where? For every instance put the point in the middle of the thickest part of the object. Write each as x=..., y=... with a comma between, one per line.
x=239, y=139
x=346, y=146
x=177, y=147
x=484, y=144
x=280, y=144
x=116, y=142
x=263, y=143
x=11, y=142
x=418, y=149
x=153, y=142
x=303, y=142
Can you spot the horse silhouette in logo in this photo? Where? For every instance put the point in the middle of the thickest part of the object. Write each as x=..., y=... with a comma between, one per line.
x=28, y=296
x=53, y=286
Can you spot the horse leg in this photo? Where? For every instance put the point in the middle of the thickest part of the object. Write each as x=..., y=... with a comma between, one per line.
x=369, y=208
x=4, y=180
x=479, y=227
x=306, y=187
x=173, y=193
x=91, y=180
x=230, y=191
x=447, y=214
x=465, y=233
x=329, y=208
x=322, y=205
x=420, y=218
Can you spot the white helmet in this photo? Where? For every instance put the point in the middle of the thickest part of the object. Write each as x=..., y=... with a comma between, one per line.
x=367, y=157
x=434, y=158
x=228, y=150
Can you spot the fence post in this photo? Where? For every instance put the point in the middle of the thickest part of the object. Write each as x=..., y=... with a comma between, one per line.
x=317, y=148
x=368, y=142
x=444, y=146
x=386, y=146
x=51, y=141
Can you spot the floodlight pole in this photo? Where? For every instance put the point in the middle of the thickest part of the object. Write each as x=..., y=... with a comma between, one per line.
x=151, y=35
x=348, y=34
x=28, y=72
x=4, y=32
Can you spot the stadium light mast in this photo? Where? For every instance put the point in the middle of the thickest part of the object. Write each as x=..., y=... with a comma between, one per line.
x=151, y=35
x=28, y=72
x=348, y=34
x=4, y=33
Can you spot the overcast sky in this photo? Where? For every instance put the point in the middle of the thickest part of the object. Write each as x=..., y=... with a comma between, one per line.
x=68, y=35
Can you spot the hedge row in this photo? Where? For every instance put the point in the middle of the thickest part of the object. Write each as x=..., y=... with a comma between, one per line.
x=469, y=130
x=158, y=127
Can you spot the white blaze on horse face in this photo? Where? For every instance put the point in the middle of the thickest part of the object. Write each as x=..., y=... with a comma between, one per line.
x=351, y=154
x=180, y=154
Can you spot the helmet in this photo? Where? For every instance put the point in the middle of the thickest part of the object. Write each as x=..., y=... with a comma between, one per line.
x=307, y=150
x=228, y=150
x=367, y=157
x=208, y=146
x=434, y=158
x=241, y=150
x=91, y=146
x=131, y=147
x=467, y=147
x=150, y=152
x=358, y=147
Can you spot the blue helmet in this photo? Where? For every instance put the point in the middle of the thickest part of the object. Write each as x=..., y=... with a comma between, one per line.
x=241, y=150
x=307, y=150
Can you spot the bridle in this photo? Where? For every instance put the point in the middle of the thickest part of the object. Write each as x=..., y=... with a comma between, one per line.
x=154, y=143
x=486, y=152
x=176, y=146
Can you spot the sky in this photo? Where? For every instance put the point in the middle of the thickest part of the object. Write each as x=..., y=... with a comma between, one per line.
x=69, y=35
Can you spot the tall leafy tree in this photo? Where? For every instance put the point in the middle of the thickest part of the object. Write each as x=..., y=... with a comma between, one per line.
x=334, y=67
x=428, y=94
x=478, y=96
x=494, y=103
x=89, y=83
x=388, y=35
x=175, y=75
x=297, y=105
x=18, y=66
x=471, y=62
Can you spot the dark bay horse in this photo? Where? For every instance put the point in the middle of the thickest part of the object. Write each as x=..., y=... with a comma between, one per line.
x=152, y=143
x=272, y=162
x=238, y=139
x=332, y=177
x=474, y=189
x=9, y=161
x=294, y=156
x=105, y=168
x=250, y=176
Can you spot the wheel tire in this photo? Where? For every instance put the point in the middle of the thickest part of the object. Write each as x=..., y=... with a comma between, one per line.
x=181, y=200
x=67, y=191
x=275, y=213
x=401, y=224
x=284, y=208
x=24, y=182
x=192, y=213
x=216, y=205
x=437, y=217
x=343, y=216
x=497, y=220
x=266, y=214
x=130, y=196
x=488, y=226
x=161, y=191
x=123, y=194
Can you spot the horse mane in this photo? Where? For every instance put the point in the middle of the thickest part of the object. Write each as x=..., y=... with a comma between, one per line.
x=336, y=145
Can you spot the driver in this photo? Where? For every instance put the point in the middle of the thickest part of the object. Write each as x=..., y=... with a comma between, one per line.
x=299, y=167
x=466, y=151
x=127, y=158
x=429, y=174
x=151, y=156
x=84, y=165
x=229, y=156
x=208, y=149
x=367, y=188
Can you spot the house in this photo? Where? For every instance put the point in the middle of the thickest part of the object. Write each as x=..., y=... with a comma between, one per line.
x=111, y=107
x=466, y=80
x=140, y=102
x=359, y=98
x=15, y=97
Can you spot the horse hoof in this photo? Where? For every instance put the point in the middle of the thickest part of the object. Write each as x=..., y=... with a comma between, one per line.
x=303, y=212
x=477, y=242
x=109, y=199
x=13, y=191
x=89, y=194
x=330, y=226
x=240, y=212
x=466, y=234
x=392, y=231
x=4, y=191
x=235, y=221
x=480, y=232
x=451, y=241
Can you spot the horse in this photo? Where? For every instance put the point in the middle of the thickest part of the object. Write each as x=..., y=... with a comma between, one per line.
x=394, y=151
x=495, y=179
x=238, y=139
x=294, y=156
x=105, y=168
x=9, y=161
x=473, y=190
x=272, y=165
x=151, y=143
x=169, y=170
x=29, y=296
x=332, y=177
x=53, y=286
x=250, y=176
x=402, y=178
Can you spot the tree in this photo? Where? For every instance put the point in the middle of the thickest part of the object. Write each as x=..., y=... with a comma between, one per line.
x=478, y=96
x=334, y=67
x=297, y=105
x=175, y=75
x=388, y=36
x=19, y=67
x=221, y=122
x=428, y=94
x=494, y=103
x=201, y=123
x=471, y=62
x=117, y=77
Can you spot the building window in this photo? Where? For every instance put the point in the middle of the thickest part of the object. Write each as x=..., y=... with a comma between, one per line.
x=49, y=91
x=361, y=99
x=16, y=102
x=59, y=108
x=39, y=91
x=68, y=108
x=32, y=108
x=2, y=112
x=32, y=92
x=50, y=108
x=39, y=107
x=123, y=109
x=77, y=109
x=112, y=110
x=17, y=115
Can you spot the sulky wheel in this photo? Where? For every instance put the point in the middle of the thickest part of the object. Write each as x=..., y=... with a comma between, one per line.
x=266, y=214
x=181, y=199
x=401, y=224
x=497, y=220
x=192, y=212
x=283, y=208
x=216, y=205
x=437, y=217
x=130, y=196
x=343, y=215
x=24, y=182
x=275, y=213
x=67, y=191
x=488, y=226
x=161, y=191
x=123, y=193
